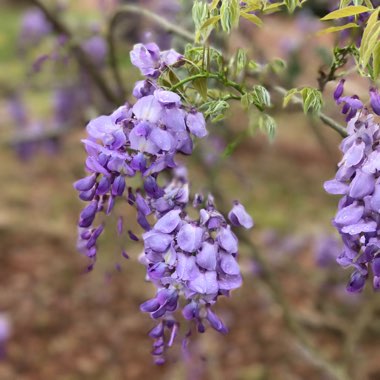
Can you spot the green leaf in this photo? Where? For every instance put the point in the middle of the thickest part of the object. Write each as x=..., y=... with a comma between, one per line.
x=229, y=13
x=334, y=29
x=214, y=4
x=312, y=100
x=260, y=97
x=253, y=18
x=210, y=22
x=370, y=37
x=246, y=100
x=346, y=12
x=376, y=61
x=291, y=5
x=215, y=109
x=268, y=125
x=201, y=86
x=241, y=60
x=277, y=65
x=288, y=96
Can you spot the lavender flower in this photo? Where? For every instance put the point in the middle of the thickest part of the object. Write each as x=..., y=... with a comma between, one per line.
x=358, y=216
x=190, y=259
x=136, y=139
x=151, y=61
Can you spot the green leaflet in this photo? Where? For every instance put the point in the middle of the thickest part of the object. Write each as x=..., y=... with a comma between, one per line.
x=345, y=12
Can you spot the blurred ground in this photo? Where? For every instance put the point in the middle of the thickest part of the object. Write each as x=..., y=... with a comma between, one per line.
x=73, y=326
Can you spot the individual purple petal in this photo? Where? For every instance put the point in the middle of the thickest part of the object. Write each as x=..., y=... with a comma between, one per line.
x=152, y=188
x=167, y=97
x=85, y=183
x=228, y=264
x=170, y=57
x=349, y=215
x=372, y=165
x=103, y=186
x=162, y=139
x=157, y=331
x=189, y=237
x=157, y=271
x=375, y=199
x=88, y=214
x=150, y=305
x=169, y=222
x=205, y=283
x=190, y=311
x=356, y=283
x=146, y=58
x=148, y=108
x=184, y=144
x=132, y=236
x=363, y=184
x=335, y=187
x=375, y=100
x=339, y=89
x=360, y=227
x=228, y=282
x=354, y=155
x=173, y=119
x=87, y=195
x=157, y=241
x=227, y=240
x=206, y=256
x=142, y=205
x=376, y=266
x=196, y=123
x=239, y=216
x=216, y=322
x=143, y=88
x=186, y=268
x=118, y=186
x=93, y=165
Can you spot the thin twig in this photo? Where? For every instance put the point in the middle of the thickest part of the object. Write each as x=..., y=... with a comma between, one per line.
x=81, y=56
x=325, y=119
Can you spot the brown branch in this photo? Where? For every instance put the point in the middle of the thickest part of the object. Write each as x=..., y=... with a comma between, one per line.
x=81, y=56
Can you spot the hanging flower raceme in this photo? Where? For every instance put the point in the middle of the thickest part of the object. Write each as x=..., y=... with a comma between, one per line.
x=191, y=262
x=135, y=139
x=358, y=216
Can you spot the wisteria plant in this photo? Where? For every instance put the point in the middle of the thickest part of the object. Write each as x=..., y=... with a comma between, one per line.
x=190, y=249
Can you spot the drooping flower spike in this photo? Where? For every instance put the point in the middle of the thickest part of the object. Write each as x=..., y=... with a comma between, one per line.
x=358, y=216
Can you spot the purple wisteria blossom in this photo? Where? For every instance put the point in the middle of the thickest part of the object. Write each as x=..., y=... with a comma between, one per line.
x=135, y=139
x=151, y=61
x=358, y=216
x=352, y=104
x=191, y=262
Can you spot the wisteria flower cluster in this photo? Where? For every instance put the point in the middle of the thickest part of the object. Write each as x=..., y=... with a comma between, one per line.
x=358, y=216
x=192, y=259
x=352, y=104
